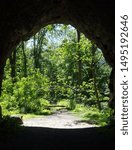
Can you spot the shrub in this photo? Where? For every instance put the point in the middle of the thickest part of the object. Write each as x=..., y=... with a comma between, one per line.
x=92, y=115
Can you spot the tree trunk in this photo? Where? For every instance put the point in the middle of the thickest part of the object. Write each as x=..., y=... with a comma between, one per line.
x=112, y=89
x=94, y=76
x=12, y=59
x=0, y=112
x=34, y=51
x=79, y=61
x=24, y=59
x=37, y=51
x=79, y=67
x=2, y=65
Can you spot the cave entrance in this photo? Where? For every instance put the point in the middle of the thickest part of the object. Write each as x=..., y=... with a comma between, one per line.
x=96, y=19
x=22, y=19
x=60, y=73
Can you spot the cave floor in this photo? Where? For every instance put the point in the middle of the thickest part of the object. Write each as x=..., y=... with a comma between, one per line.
x=41, y=138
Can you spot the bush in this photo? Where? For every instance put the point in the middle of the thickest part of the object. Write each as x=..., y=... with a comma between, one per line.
x=92, y=115
x=44, y=112
x=72, y=104
x=64, y=102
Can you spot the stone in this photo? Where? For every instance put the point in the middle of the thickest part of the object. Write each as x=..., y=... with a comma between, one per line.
x=17, y=119
x=0, y=112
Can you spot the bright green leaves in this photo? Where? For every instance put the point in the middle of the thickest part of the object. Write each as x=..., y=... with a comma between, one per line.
x=52, y=60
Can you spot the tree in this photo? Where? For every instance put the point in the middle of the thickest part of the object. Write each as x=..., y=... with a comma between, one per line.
x=38, y=43
x=94, y=48
x=0, y=112
x=79, y=59
x=24, y=59
x=1, y=76
x=57, y=63
x=12, y=59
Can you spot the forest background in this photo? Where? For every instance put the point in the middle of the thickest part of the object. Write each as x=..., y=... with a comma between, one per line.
x=57, y=66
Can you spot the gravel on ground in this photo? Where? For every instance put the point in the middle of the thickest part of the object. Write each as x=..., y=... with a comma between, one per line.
x=60, y=119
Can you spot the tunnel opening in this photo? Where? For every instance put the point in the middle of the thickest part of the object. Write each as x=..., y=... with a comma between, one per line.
x=56, y=71
x=91, y=19
x=22, y=19
x=64, y=129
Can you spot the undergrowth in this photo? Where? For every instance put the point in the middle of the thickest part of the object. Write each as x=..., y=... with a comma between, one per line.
x=92, y=115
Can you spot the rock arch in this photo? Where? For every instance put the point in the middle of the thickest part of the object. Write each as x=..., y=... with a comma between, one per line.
x=22, y=18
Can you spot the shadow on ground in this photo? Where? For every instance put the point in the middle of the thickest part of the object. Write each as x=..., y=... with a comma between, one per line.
x=36, y=138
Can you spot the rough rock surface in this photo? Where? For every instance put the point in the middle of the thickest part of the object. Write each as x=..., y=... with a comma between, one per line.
x=38, y=138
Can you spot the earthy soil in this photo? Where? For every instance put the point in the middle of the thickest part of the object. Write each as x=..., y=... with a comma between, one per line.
x=60, y=119
x=63, y=134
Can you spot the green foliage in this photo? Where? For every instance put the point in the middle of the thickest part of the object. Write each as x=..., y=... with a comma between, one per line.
x=28, y=94
x=64, y=102
x=53, y=67
x=93, y=116
x=44, y=112
x=72, y=104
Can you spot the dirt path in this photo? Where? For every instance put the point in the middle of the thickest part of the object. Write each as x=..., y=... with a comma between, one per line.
x=60, y=119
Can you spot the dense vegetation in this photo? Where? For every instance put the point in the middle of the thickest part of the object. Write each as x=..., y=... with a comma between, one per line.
x=58, y=65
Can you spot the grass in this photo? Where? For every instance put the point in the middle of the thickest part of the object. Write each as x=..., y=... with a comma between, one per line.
x=28, y=116
x=88, y=114
x=64, y=102
x=5, y=112
x=92, y=115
